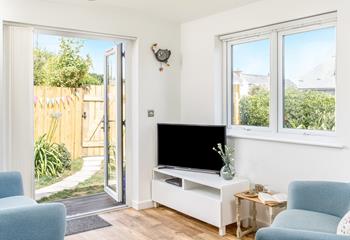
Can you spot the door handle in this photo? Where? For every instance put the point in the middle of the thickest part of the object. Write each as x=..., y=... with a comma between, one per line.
x=84, y=115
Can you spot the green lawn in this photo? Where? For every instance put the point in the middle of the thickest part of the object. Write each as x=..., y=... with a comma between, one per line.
x=46, y=181
x=93, y=185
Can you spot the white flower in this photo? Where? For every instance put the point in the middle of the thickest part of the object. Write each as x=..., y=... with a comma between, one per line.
x=56, y=115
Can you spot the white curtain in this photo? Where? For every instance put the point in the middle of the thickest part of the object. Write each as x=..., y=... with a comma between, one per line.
x=18, y=109
x=3, y=104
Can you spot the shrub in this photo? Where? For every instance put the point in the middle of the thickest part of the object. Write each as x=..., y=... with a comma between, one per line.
x=254, y=109
x=309, y=109
x=93, y=79
x=65, y=156
x=47, y=158
x=51, y=159
x=313, y=110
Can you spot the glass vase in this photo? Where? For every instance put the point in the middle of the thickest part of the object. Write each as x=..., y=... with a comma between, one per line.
x=227, y=172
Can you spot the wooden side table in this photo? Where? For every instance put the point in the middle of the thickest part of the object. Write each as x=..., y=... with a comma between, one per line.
x=254, y=201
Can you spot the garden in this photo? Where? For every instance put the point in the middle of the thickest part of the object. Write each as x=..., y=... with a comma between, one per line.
x=60, y=81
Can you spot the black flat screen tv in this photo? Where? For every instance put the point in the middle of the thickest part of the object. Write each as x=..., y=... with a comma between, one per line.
x=190, y=146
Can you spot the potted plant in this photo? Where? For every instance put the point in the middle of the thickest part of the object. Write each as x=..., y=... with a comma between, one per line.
x=226, y=153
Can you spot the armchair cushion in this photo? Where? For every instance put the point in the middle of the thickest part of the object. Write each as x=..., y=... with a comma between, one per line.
x=306, y=220
x=36, y=222
x=10, y=184
x=15, y=202
x=274, y=233
x=320, y=196
x=21, y=218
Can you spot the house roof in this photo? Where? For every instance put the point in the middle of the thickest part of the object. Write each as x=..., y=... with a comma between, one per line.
x=321, y=76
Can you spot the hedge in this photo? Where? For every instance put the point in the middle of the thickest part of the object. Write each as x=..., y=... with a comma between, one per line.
x=303, y=109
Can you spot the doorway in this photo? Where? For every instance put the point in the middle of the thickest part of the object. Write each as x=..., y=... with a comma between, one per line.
x=79, y=121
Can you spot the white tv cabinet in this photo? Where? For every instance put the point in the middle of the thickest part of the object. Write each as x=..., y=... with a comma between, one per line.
x=204, y=196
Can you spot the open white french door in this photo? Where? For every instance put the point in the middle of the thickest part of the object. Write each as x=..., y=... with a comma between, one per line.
x=113, y=123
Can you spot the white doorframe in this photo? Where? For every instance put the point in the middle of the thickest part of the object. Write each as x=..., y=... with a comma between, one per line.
x=132, y=105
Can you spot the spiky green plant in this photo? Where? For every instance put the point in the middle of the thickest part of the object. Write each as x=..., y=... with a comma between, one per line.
x=51, y=159
x=47, y=158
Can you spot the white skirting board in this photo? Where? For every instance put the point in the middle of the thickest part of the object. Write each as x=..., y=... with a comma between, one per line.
x=139, y=205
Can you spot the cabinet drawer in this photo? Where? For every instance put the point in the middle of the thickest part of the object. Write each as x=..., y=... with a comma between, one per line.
x=190, y=202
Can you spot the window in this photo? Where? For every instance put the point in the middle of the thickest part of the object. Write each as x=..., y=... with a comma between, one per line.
x=309, y=79
x=251, y=83
x=282, y=78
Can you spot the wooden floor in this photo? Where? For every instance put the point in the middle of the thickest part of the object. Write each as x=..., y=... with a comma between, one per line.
x=154, y=224
x=89, y=203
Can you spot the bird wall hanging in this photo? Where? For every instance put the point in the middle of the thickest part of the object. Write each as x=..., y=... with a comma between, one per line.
x=162, y=56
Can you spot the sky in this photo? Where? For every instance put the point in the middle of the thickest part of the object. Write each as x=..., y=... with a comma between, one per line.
x=302, y=52
x=95, y=48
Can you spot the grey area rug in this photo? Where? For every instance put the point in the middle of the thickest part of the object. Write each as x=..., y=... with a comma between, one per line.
x=85, y=224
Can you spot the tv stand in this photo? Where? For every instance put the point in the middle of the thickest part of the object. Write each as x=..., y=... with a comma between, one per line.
x=204, y=196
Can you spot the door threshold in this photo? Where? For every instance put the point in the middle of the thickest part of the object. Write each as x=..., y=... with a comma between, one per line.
x=101, y=211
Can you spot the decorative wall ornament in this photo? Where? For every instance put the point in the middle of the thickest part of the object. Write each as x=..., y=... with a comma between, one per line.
x=162, y=56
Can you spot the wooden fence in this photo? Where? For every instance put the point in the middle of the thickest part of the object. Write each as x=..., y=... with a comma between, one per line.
x=80, y=112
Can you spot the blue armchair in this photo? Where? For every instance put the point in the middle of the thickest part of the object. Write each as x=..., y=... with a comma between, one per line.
x=314, y=211
x=21, y=218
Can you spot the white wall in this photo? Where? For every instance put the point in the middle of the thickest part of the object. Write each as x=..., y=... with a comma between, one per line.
x=149, y=89
x=271, y=163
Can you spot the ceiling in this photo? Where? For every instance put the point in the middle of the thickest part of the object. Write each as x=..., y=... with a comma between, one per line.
x=173, y=10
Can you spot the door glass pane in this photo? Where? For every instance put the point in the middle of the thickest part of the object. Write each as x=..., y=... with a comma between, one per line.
x=250, y=83
x=111, y=115
x=309, y=80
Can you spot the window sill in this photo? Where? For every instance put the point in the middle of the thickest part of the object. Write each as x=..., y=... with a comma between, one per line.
x=328, y=142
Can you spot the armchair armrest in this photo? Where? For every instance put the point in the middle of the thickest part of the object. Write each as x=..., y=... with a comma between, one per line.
x=10, y=184
x=273, y=233
x=320, y=196
x=39, y=222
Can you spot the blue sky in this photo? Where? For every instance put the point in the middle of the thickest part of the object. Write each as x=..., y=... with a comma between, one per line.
x=95, y=48
x=303, y=51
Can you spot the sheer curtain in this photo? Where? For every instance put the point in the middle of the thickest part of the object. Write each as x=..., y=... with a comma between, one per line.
x=3, y=105
x=17, y=108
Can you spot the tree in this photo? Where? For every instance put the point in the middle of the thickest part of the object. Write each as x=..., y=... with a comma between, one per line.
x=41, y=57
x=93, y=79
x=66, y=69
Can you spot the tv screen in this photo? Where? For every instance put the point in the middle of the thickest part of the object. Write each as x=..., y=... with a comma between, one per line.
x=190, y=146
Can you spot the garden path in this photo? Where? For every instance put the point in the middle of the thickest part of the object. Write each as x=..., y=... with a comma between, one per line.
x=91, y=165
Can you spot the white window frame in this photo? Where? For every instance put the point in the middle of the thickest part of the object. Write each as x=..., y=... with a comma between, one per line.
x=229, y=84
x=275, y=33
x=280, y=91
